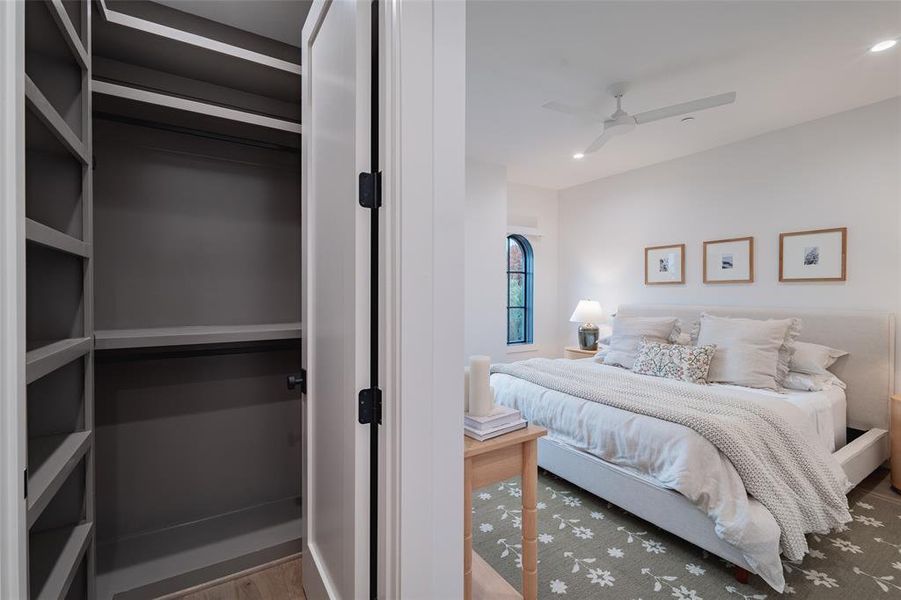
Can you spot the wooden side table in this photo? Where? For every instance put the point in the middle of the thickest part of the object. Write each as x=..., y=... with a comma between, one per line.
x=574, y=352
x=488, y=462
x=895, y=428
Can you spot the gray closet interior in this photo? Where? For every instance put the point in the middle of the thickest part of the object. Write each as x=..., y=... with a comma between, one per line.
x=163, y=299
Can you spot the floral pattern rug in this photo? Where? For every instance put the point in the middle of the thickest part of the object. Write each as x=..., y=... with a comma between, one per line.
x=589, y=548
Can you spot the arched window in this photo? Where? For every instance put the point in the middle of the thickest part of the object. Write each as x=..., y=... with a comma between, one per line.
x=519, y=290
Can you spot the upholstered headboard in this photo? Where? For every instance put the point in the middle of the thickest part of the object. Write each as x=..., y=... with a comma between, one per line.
x=868, y=337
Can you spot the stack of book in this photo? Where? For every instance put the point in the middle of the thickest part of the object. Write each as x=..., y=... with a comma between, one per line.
x=499, y=421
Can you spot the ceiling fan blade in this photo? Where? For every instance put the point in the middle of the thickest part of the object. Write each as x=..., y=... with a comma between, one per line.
x=576, y=111
x=597, y=143
x=684, y=108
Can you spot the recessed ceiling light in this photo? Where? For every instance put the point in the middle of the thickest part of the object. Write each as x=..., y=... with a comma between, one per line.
x=883, y=45
x=578, y=156
x=687, y=119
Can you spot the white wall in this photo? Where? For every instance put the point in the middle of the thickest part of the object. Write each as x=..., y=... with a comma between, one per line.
x=494, y=209
x=485, y=330
x=842, y=170
x=535, y=207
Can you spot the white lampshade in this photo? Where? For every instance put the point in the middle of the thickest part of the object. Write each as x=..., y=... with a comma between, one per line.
x=587, y=311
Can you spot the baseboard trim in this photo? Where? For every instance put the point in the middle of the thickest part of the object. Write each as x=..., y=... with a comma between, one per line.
x=240, y=574
x=214, y=574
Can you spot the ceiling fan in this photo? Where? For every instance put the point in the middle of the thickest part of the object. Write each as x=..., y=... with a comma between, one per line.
x=621, y=122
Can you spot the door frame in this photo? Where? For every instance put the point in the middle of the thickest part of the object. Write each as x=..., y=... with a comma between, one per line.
x=13, y=532
x=422, y=87
x=424, y=121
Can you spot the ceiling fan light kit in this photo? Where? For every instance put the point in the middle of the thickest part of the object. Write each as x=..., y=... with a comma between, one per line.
x=621, y=122
x=883, y=45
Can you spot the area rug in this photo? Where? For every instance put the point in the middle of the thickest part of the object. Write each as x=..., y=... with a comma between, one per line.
x=588, y=548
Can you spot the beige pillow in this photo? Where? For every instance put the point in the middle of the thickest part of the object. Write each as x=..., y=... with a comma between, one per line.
x=787, y=351
x=627, y=335
x=749, y=352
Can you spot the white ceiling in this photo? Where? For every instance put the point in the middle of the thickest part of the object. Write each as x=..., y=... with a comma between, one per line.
x=789, y=62
x=280, y=20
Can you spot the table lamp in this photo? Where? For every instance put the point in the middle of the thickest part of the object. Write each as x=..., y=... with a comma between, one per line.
x=587, y=313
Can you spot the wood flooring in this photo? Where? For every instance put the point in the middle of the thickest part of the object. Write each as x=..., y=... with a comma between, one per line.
x=279, y=580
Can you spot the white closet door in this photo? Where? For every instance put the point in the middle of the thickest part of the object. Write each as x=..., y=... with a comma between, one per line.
x=336, y=299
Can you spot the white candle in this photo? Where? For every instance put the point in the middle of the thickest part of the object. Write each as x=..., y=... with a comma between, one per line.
x=465, y=389
x=480, y=400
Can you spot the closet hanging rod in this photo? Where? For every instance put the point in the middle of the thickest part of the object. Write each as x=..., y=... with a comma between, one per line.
x=193, y=106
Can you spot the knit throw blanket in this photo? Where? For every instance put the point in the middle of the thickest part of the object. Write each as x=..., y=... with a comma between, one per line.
x=797, y=481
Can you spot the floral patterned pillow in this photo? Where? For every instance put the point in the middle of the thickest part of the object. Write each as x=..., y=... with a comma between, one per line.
x=674, y=361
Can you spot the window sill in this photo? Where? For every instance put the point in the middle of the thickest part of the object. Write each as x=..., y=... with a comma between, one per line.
x=521, y=348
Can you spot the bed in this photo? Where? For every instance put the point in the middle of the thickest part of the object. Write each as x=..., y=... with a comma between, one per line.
x=626, y=467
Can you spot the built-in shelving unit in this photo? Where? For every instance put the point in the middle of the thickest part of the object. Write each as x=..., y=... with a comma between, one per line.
x=152, y=44
x=70, y=35
x=59, y=507
x=118, y=339
x=55, y=556
x=187, y=114
x=193, y=106
x=46, y=359
x=41, y=107
x=39, y=233
x=196, y=188
x=161, y=268
x=51, y=459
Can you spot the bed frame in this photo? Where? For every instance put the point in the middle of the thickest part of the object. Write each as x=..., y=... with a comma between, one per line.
x=869, y=338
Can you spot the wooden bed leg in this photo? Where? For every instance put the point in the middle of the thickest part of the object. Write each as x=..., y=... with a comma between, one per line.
x=742, y=575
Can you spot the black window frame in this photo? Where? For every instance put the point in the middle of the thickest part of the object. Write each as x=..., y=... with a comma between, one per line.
x=528, y=306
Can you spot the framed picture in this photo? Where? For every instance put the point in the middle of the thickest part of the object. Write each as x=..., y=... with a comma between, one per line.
x=664, y=265
x=817, y=255
x=729, y=261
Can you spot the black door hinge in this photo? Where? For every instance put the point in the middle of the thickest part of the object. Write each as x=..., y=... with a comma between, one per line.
x=26, y=484
x=298, y=379
x=371, y=190
x=370, y=400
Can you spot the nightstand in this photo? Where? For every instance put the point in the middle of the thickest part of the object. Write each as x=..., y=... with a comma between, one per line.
x=573, y=352
x=895, y=429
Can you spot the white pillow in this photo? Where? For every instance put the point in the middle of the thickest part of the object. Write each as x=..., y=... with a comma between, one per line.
x=748, y=351
x=808, y=382
x=814, y=358
x=627, y=335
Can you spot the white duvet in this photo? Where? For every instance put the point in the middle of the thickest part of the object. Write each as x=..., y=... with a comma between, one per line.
x=669, y=454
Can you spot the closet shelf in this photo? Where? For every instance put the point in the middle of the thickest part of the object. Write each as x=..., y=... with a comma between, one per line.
x=51, y=238
x=51, y=459
x=41, y=107
x=58, y=11
x=54, y=559
x=193, y=106
x=196, y=552
x=119, y=339
x=170, y=50
x=46, y=359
